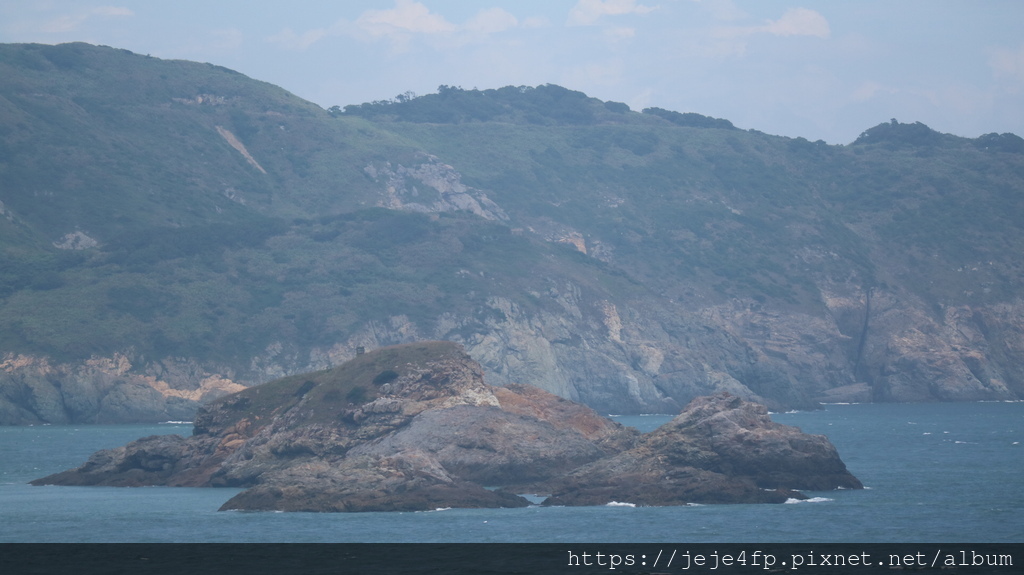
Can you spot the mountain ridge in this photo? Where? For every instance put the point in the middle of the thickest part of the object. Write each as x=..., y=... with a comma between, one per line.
x=628, y=260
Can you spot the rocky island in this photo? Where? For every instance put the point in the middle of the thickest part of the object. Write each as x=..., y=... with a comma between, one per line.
x=415, y=427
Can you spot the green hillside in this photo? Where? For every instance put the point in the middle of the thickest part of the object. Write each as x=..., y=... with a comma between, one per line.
x=180, y=211
x=696, y=198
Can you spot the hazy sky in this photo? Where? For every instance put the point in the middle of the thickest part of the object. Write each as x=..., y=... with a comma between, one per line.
x=821, y=69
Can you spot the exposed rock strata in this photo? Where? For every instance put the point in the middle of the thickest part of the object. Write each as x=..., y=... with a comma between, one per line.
x=415, y=427
x=104, y=390
x=615, y=357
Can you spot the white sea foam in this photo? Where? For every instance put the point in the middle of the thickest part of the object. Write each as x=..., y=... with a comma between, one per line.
x=618, y=504
x=811, y=500
x=175, y=423
x=433, y=510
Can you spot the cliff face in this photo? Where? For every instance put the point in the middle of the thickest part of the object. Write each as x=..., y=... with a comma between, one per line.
x=629, y=358
x=104, y=390
x=414, y=427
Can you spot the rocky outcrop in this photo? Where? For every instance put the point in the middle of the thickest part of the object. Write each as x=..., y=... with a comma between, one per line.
x=404, y=481
x=76, y=240
x=414, y=427
x=430, y=187
x=720, y=449
x=155, y=460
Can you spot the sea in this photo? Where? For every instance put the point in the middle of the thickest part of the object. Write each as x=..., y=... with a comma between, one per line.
x=939, y=472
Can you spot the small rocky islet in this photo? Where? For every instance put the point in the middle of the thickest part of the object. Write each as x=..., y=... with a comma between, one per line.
x=415, y=427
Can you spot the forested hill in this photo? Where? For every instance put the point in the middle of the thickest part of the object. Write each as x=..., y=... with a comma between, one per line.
x=171, y=230
x=548, y=105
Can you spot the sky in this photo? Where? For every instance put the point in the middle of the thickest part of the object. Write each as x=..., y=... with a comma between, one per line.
x=818, y=69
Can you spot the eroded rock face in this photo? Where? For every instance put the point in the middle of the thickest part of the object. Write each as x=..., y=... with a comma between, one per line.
x=415, y=427
x=430, y=187
x=633, y=357
x=725, y=434
x=112, y=389
x=720, y=449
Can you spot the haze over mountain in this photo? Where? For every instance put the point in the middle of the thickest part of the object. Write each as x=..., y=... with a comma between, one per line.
x=172, y=231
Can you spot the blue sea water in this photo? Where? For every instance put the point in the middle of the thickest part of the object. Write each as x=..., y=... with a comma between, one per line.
x=934, y=473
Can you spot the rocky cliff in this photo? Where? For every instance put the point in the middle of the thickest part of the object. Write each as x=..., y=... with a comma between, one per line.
x=634, y=357
x=415, y=427
x=104, y=390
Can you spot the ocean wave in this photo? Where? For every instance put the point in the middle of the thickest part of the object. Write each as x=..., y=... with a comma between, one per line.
x=175, y=423
x=618, y=504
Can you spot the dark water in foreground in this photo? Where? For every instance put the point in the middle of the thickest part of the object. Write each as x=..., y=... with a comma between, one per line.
x=934, y=472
